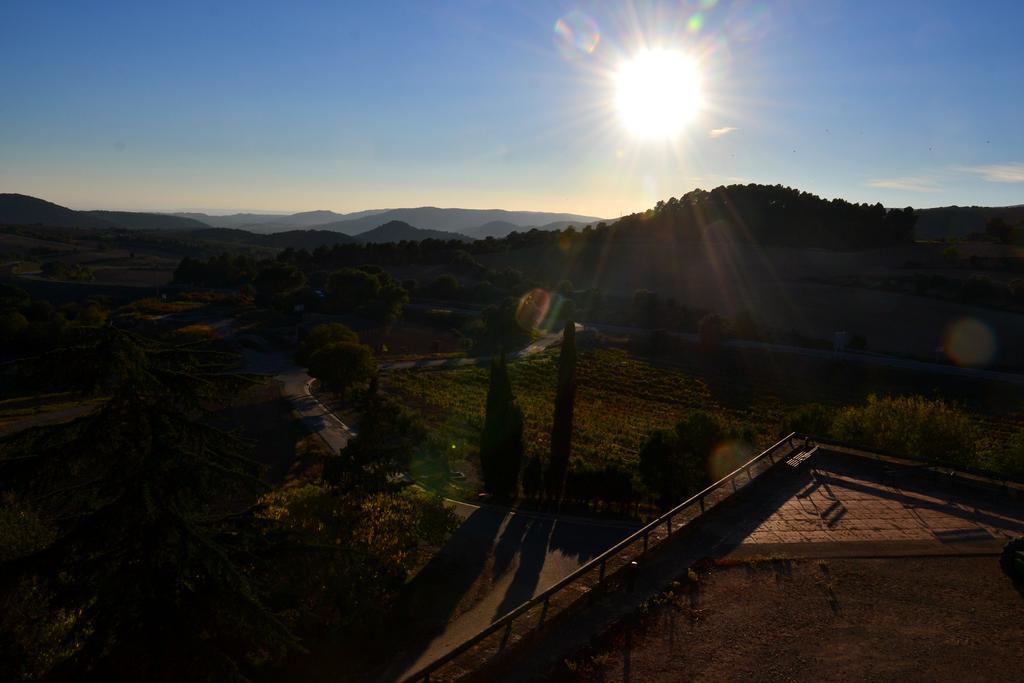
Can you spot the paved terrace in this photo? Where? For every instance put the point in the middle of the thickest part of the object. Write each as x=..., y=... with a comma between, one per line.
x=849, y=505
x=831, y=504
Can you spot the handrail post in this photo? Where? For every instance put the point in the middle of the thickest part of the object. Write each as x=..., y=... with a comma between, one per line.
x=645, y=541
x=544, y=610
x=600, y=576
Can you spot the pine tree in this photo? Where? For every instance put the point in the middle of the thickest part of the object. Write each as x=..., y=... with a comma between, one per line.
x=561, y=428
x=154, y=535
x=501, y=444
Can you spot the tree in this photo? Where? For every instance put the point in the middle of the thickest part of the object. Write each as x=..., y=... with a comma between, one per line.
x=342, y=365
x=712, y=329
x=533, y=477
x=444, y=287
x=348, y=288
x=659, y=467
x=320, y=336
x=561, y=427
x=279, y=278
x=154, y=538
x=368, y=290
x=673, y=463
x=501, y=442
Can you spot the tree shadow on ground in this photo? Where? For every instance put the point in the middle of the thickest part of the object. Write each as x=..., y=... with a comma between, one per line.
x=533, y=551
x=433, y=598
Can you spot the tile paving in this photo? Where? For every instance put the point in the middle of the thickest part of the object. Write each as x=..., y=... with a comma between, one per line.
x=841, y=499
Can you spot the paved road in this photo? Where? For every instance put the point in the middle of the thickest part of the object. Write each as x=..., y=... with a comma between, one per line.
x=495, y=561
x=295, y=381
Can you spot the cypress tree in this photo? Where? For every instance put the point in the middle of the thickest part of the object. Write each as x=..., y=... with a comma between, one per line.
x=561, y=428
x=501, y=444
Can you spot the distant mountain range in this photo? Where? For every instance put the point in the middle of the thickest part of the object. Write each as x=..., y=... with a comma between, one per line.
x=268, y=223
x=476, y=223
x=375, y=225
x=314, y=228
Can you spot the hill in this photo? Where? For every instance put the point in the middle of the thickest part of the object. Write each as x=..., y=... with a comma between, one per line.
x=399, y=231
x=20, y=209
x=454, y=220
x=147, y=221
x=960, y=221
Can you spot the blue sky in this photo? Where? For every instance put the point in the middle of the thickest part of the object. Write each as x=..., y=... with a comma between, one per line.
x=345, y=106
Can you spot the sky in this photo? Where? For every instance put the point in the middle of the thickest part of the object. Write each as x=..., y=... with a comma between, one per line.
x=293, y=106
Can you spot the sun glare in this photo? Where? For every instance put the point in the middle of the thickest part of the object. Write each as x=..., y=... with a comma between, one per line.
x=657, y=93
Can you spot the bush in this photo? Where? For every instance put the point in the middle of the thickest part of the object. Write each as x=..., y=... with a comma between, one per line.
x=811, y=418
x=1009, y=459
x=910, y=425
x=675, y=463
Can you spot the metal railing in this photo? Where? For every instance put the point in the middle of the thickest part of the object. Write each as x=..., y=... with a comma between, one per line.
x=959, y=473
x=615, y=558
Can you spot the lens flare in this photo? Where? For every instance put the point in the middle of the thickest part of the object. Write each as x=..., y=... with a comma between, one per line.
x=576, y=35
x=748, y=22
x=657, y=93
x=970, y=342
x=540, y=309
x=727, y=456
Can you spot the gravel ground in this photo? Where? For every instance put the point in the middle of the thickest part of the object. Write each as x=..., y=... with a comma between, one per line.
x=936, y=618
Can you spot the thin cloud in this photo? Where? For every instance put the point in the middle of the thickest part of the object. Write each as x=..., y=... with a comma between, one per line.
x=999, y=173
x=719, y=132
x=906, y=184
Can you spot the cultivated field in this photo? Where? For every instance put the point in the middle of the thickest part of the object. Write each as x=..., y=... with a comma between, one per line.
x=622, y=398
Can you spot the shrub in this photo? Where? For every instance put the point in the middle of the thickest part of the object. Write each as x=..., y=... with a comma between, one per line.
x=910, y=425
x=811, y=418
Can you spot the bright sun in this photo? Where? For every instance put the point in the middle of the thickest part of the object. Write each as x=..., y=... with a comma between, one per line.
x=657, y=93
